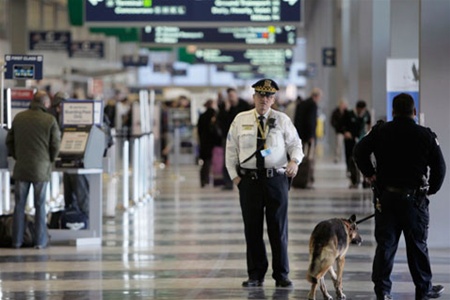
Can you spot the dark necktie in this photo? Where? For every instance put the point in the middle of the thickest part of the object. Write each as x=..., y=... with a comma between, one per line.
x=260, y=144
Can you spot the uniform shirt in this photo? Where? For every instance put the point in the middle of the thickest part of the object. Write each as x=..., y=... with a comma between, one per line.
x=404, y=152
x=281, y=140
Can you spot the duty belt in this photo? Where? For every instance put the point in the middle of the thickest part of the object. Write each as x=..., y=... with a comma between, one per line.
x=399, y=190
x=407, y=191
x=263, y=173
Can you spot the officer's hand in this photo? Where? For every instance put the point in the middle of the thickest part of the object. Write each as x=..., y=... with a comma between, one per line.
x=236, y=180
x=291, y=169
x=372, y=179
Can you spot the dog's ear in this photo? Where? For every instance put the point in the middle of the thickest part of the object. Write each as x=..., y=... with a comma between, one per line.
x=352, y=218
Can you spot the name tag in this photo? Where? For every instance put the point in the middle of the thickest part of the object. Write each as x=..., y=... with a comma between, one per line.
x=266, y=152
x=247, y=127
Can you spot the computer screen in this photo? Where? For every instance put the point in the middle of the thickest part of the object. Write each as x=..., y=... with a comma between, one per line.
x=74, y=142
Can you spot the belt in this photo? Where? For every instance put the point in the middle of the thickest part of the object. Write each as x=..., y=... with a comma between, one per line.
x=398, y=190
x=265, y=173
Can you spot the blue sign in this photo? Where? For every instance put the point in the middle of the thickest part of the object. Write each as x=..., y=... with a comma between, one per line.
x=87, y=49
x=198, y=11
x=23, y=66
x=50, y=40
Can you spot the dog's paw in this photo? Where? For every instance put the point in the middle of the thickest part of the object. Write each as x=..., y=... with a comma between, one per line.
x=341, y=297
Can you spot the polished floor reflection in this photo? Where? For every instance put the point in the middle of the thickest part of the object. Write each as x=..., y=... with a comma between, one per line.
x=188, y=243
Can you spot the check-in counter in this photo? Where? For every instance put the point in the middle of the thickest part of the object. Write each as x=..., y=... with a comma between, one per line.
x=81, y=152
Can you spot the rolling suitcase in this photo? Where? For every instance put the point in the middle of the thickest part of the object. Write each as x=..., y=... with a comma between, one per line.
x=304, y=177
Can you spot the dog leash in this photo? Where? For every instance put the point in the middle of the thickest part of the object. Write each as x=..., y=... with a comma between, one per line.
x=365, y=219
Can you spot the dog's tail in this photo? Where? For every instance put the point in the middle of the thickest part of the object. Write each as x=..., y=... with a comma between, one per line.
x=320, y=261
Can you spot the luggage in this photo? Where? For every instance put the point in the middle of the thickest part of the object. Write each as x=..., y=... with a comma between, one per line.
x=6, y=228
x=305, y=175
x=217, y=165
x=72, y=219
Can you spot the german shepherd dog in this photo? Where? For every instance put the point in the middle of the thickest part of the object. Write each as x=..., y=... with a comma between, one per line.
x=329, y=243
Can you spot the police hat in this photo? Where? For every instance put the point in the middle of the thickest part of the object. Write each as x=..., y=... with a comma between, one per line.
x=266, y=87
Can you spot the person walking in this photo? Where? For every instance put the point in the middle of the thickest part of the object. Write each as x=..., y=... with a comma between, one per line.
x=356, y=124
x=409, y=166
x=258, y=143
x=228, y=110
x=33, y=141
x=337, y=117
x=305, y=122
x=209, y=137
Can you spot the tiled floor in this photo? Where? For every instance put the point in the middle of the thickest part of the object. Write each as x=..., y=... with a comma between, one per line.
x=188, y=243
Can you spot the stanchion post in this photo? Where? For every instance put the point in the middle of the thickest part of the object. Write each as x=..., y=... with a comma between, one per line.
x=125, y=172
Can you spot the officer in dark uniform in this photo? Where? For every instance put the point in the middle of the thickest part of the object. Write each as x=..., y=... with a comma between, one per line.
x=409, y=167
x=258, y=143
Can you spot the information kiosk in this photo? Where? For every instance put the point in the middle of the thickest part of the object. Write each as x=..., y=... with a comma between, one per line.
x=81, y=152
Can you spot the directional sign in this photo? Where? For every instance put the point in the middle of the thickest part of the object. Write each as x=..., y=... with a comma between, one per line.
x=197, y=13
x=50, y=40
x=245, y=35
x=250, y=56
x=87, y=49
x=23, y=66
x=134, y=61
x=245, y=71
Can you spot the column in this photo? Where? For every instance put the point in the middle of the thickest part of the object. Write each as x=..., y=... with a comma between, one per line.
x=434, y=64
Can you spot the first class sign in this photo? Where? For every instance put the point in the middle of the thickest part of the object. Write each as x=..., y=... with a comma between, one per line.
x=23, y=66
x=198, y=12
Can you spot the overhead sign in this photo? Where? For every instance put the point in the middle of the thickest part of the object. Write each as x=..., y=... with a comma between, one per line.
x=246, y=35
x=23, y=66
x=198, y=12
x=87, y=49
x=135, y=60
x=245, y=71
x=50, y=40
x=250, y=56
x=329, y=57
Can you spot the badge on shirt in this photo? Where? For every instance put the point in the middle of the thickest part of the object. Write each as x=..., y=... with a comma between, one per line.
x=247, y=126
x=265, y=152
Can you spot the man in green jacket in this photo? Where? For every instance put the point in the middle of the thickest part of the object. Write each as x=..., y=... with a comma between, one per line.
x=33, y=141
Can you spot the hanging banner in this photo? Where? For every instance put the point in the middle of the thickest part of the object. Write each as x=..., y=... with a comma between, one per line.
x=402, y=77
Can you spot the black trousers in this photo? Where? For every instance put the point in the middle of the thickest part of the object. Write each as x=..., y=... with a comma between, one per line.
x=351, y=165
x=259, y=198
x=204, y=171
x=407, y=214
x=76, y=191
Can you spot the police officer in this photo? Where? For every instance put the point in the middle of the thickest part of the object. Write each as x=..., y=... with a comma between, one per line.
x=258, y=143
x=404, y=154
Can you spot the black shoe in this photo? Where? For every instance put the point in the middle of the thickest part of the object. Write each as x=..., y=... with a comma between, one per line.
x=436, y=292
x=385, y=297
x=252, y=283
x=284, y=283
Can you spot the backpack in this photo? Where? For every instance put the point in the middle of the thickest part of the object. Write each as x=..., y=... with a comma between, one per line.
x=6, y=229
